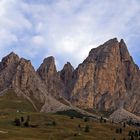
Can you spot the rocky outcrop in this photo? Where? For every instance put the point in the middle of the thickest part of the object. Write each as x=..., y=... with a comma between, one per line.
x=58, y=84
x=47, y=68
x=7, y=70
x=49, y=75
x=18, y=74
x=107, y=79
x=66, y=75
x=121, y=115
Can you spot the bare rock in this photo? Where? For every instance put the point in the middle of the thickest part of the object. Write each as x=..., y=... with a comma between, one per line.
x=7, y=69
x=107, y=79
x=18, y=74
x=122, y=115
x=66, y=75
x=47, y=68
x=49, y=75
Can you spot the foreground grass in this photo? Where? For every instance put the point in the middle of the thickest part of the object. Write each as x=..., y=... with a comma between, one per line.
x=65, y=129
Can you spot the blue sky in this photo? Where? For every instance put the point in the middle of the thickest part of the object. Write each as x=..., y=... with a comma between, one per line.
x=66, y=29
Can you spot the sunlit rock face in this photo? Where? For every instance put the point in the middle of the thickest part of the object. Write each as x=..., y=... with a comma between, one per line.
x=107, y=79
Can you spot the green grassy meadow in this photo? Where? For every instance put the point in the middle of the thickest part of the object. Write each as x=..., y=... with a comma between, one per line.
x=65, y=128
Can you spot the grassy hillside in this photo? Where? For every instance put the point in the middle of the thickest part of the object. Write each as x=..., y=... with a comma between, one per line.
x=11, y=102
x=60, y=126
x=65, y=128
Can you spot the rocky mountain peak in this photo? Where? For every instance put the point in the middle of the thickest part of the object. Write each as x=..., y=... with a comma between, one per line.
x=49, y=60
x=19, y=75
x=107, y=45
x=124, y=51
x=68, y=66
x=103, y=52
x=10, y=59
x=11, y=55
x=47, y=68
x=66, y=73
x=8, y=67
x=109, y=50
x=26, y=63
x=108, y=78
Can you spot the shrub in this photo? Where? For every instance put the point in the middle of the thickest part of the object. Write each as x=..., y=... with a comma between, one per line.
x=53, y=123
x=87, y=128
x=124, y=124
x=120, y=130
x=75, y=134
x=28, y=118
x=86, y=119
x=117, y=130
x=104, y=120
x=17, y=122
x=26, y=124
x=79, y=126
x=71, y=117
x=22, y=119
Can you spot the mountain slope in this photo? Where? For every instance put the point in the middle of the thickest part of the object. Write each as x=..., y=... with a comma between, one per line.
x=19, y=75
x=121, y=115
x=11, y=102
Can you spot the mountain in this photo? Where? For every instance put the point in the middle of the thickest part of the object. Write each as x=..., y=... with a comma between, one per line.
x=19, y=75
x=57, y=83
x=106, y=80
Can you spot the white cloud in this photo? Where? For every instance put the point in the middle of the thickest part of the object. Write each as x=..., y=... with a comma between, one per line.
x=7, y=38
x=38, y=41
x=67, y=29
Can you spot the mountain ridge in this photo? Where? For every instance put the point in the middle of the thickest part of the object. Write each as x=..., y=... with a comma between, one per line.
x=106, y=80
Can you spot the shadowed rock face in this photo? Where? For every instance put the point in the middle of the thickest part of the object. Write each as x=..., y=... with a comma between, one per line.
x=58, y=84
x=107, y=79
x=51, y=78
x=47, y=68
x=66, y=76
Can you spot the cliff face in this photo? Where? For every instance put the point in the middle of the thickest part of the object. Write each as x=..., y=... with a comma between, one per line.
x=49, y=75
x=66, y=76
x=58, y=84
x=18, y=74
x=107, y=79
x=7, y=69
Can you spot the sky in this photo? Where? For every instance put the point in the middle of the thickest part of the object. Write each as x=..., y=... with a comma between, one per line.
x=67, y=29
